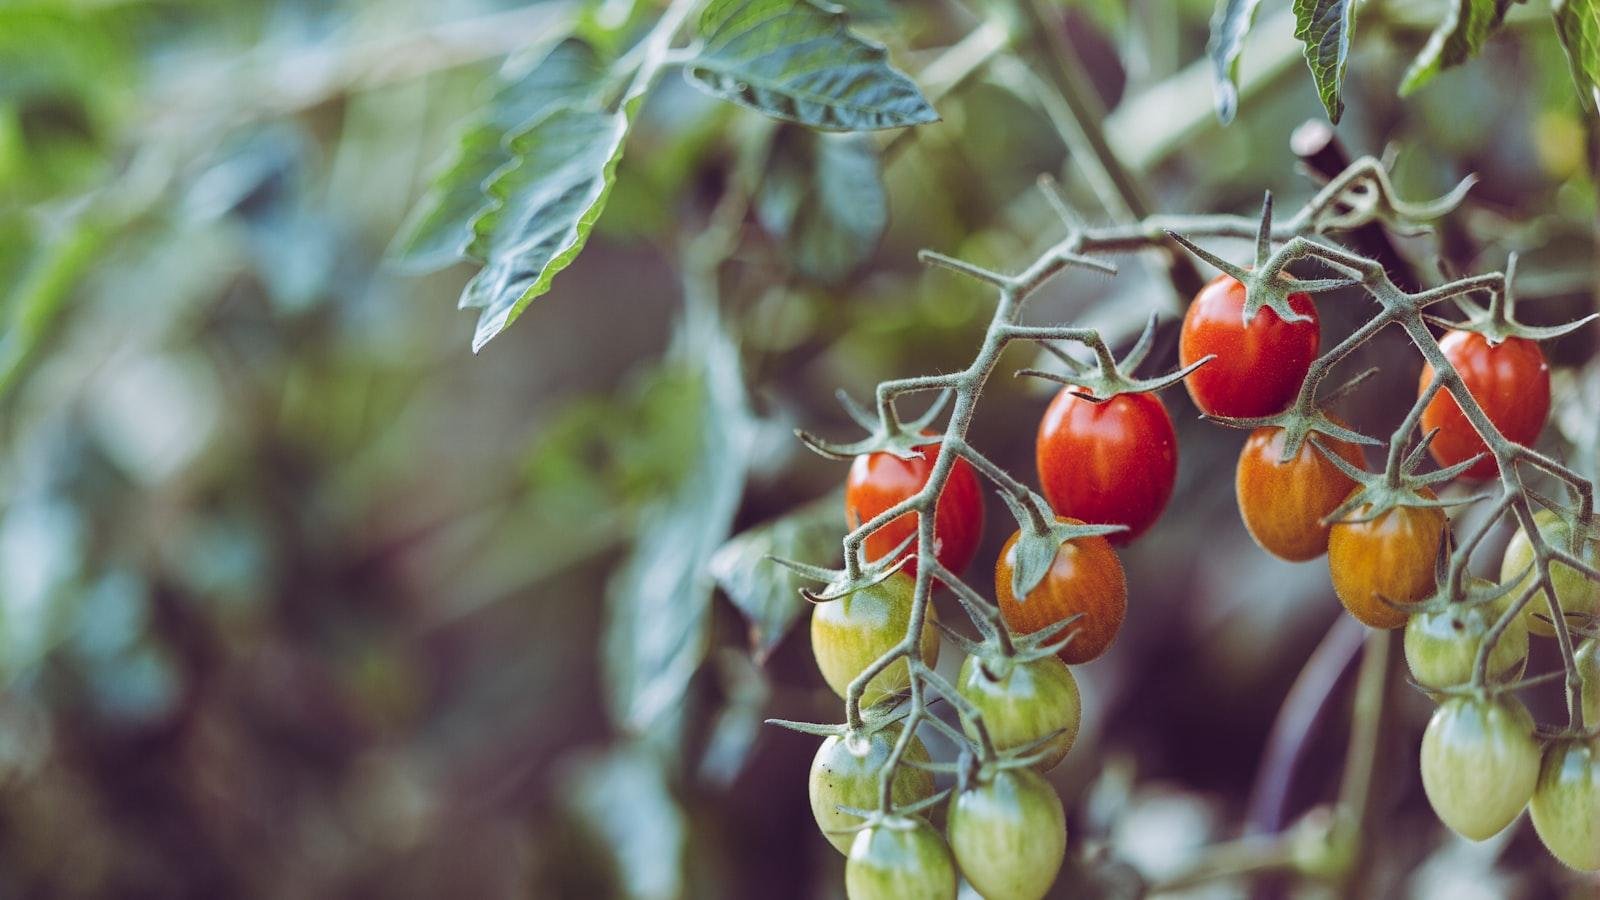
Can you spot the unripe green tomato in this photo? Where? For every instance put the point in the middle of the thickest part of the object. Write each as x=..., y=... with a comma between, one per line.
x=1579, y=596
x=1442, y=645
x=1566, y=805
x=1022, y=702
x=1009, y=835
x=845, y=773
x=902, y=858
x=1480, y=762
x=851, y=633
x=1588, y=657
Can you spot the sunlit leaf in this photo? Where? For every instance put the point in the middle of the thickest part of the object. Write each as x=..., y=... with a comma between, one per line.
x=1229, y=24
x=439, y=230
x=622, y=800
x=543, y=207
x=658, y=604
x=1578, y=25
x=823, y=196
x=795, y=60
x=769, y=594
x=1326, y=26
x=1458, y=38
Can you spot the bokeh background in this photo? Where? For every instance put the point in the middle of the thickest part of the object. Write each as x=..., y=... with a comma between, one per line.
x=301, y=598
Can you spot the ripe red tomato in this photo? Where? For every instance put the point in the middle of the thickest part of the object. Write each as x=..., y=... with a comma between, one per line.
x=1510, y=380
x=1282, y=504
x=878, y=481
x=1110, y=463
x=1388, y=557
x=1085, y=577
x=1259, y=367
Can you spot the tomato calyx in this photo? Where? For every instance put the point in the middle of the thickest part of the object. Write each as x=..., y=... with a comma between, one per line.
x=1498, y=322
x=841, y=582
x=1305, y=418
x=1266, y=283
x=899, y=818
x=1106, y=378
x=1040, y=539
x=1398, y=485
x=885, y=432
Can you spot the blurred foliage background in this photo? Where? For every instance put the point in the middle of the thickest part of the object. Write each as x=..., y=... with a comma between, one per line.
x=299, y=597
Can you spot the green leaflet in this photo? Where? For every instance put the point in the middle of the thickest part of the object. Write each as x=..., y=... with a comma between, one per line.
x=1229, y=24
x=1325, y=27
x=1578, y=25
x=796, y=61
x=1458, y=38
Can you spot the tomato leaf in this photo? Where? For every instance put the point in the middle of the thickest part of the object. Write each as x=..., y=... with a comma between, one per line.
x=796, y=61
x=823, y=197
x=1229, y=24
x=769, y=594
x=622, y=798
x=1578, y=26
x=658, y=604
x=439, y=229
x=1325, y=27
x=543, y=206
x=1458, y=38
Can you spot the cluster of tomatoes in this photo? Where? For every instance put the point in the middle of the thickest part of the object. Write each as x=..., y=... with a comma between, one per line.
x=1113, y=461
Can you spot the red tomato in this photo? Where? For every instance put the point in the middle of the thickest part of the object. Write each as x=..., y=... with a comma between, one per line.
x=1510, y=380
x=1259, y=367
x=1085, y=578
x=878, y=481
x=1110, y=463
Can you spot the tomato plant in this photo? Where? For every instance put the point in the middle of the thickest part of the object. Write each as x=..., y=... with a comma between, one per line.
x=1110, y=463
x=1259, y=365
x=852, y=632
x=1579, y=596
x=1509, y=380
x=899, y=858
x=1442, y=644
x=1588, y=663
x=845, y=772
x=1565, y=808
x=1480, y=762
x=1283, y=503
x=878, y=481
x=1386, y=560
x=1023, y=702
x=1085, y=579
x=1008, y=833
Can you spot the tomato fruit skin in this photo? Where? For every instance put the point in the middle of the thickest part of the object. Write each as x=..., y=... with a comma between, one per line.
x=1111, y=463
x=1391, y=556
x=845, y=773
x=902, y=859
x=1480, y=762
x=1565, y=808
x=1021, y=702
x=1259, y=367
x=1442, y=645
x=1588, y=659
x=1579, y=596
x=878, y=481
x=850, y=633
x=1282, y=504
x=1510, y=381
x=1009, y=835
x=1085, y=577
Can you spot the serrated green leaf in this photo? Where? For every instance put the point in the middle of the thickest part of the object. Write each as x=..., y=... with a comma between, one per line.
x=658, y=604
x=439, y=230
x=1229, y=24
x=823, y=196
x=769, y=594
x=1325, y=27
x=1578, y=26
x=543, y=206
x=1458, y=38
x=799, y=62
